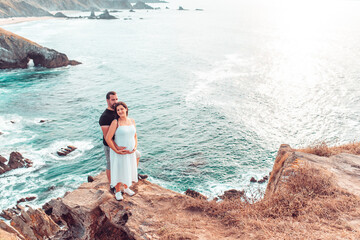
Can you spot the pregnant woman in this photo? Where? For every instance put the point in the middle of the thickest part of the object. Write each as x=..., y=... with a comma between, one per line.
x=123, y=166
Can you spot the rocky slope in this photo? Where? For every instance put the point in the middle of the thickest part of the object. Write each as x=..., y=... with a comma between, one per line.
x=91, y=211
x=31, y=8
x=20, y=9
x=344, y=167
x=16, y=51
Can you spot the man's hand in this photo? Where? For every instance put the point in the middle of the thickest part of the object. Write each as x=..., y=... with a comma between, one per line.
x=119, y=147
x=123, y=152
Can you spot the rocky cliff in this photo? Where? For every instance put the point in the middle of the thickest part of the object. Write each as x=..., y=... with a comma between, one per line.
x=30, y=8
x=16, y=52
x=308, y=197
x=343, y=167
x=9, y=8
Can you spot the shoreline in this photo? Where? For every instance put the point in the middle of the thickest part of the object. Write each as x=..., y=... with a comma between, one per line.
x=14, y=20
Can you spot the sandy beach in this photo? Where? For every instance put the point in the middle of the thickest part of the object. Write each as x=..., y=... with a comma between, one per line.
x=13, y=20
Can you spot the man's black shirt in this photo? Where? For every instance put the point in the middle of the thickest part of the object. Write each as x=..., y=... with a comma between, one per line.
x=105, y=120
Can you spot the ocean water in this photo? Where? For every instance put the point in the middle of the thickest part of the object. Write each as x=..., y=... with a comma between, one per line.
x=214, y=92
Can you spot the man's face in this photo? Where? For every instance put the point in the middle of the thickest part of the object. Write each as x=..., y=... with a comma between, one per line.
x=113, y=99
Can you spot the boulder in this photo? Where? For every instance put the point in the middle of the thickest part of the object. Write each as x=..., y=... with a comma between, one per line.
x=90, y=178
x=16, y=51
x=194, y=194
x=232, y=194
x=253, y=179
x=142, y=5
x=16, y=160
x=106, y=15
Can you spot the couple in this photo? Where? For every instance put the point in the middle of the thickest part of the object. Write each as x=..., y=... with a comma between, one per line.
x=120, y=143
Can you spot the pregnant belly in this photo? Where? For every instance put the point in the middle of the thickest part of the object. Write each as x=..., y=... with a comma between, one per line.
x=129, y=145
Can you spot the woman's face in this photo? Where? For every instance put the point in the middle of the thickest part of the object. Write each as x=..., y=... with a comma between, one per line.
x=121, y=111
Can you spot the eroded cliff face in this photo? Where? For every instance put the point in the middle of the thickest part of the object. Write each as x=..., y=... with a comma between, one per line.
x=344, y=168
x=16, y=52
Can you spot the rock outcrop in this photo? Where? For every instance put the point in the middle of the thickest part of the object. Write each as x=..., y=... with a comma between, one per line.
x=16, y=160
x=10, y=8
x=16, y=52
x=92, y=212
x=142, y=5
x=106, y=15
x=66, y=151
x=344, y=167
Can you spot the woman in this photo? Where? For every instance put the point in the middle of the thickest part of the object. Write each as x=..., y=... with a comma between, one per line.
x=123, y=165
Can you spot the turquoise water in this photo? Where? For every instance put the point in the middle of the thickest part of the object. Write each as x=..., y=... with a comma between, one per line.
x=214, y=93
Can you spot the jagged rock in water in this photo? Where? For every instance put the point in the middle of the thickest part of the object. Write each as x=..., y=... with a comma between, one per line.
x=106, y=15
x=16, y=51
x=253, y=179
x=66, y=151
x=181, y=8
x=16, y=160
x=60, y=15
x=92, y=15
x=142, y=5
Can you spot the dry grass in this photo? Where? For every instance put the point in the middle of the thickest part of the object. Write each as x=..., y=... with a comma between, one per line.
x=307, y=206
x=322, y=149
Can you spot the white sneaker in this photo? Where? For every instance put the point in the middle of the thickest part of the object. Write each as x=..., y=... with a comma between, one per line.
x=119, y=196
x=129, y=191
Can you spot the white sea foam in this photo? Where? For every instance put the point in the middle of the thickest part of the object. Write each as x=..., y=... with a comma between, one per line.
x=206, y=83
x=51, y=151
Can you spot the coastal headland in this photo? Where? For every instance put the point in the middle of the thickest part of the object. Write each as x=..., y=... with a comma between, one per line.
x=308, y=196
x=17, y=51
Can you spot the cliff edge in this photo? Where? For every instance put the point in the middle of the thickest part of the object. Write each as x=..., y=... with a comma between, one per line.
x=307, y=197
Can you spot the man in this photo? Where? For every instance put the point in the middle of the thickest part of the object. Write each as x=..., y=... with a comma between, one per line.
x=105, y=120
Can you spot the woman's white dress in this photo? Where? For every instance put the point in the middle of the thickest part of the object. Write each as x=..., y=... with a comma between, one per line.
x=123, y=168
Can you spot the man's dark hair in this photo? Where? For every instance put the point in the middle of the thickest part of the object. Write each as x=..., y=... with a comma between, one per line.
x=110, y=93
